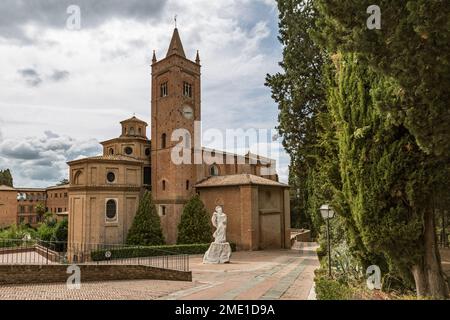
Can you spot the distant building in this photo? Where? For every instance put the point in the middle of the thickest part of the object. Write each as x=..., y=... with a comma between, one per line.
x=18, y=205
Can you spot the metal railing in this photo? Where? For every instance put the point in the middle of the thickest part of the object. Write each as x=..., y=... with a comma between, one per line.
x=38, y=252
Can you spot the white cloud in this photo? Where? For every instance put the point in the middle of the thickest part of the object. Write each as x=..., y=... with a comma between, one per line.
x=41, y=161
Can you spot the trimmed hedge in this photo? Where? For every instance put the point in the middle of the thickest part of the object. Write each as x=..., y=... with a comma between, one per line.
x=153, y=251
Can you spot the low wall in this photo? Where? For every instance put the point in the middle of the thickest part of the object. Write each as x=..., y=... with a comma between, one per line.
x=26, y=274
x=300, y=235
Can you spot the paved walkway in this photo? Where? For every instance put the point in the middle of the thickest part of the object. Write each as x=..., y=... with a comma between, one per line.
x=278, y=274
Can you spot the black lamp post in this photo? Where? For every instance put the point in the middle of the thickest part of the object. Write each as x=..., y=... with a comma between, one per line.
x=327, y=213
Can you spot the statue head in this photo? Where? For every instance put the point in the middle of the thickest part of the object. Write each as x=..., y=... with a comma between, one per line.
x=219, y=209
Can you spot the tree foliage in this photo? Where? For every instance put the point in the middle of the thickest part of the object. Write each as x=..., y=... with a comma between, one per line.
x=6, y=178
x=387, y=181
x=194, y=226
x=146, y=228
x=40, y=210
x=373, y=144
x=300, y=94
x=412, y=49
x=63, y=182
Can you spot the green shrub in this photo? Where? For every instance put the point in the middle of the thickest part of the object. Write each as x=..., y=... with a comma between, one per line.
x=60, y=233
x=153, y=251
x=17, y=232
x=330, y=289
x=146, y=229
x=194, y=226
x=45, y=232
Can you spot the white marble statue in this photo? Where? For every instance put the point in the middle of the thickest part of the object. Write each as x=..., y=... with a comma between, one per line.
x=220, y=250
x=219, y=221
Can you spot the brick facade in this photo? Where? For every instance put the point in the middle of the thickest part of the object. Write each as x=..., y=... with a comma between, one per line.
x=8, y=206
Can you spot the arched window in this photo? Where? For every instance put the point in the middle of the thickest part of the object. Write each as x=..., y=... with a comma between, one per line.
x=214, y=170
x=111, y=209
x=77, y=177
x=163, y=141
x=132, y=133
x=111, y=151
x=164, y=185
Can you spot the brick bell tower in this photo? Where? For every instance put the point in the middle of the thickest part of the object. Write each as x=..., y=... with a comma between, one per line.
x=175, y=105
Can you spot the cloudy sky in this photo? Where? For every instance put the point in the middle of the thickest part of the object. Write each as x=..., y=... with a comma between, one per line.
x=63, y=91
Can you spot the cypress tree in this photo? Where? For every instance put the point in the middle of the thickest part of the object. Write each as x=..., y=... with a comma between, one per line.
x=194, y=226
x=146, y=229
x=387, y=180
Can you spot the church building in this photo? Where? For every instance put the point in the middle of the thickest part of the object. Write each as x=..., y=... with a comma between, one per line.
x=104, y=191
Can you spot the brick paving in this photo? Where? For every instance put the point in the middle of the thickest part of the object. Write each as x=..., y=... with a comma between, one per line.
x=278, y=274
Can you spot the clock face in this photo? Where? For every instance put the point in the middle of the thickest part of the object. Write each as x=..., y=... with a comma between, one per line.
x=188, y=112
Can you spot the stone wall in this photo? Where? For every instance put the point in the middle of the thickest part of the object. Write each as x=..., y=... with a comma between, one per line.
x=26, y=274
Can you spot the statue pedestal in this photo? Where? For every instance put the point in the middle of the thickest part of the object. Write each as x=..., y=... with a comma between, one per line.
x=218, y=253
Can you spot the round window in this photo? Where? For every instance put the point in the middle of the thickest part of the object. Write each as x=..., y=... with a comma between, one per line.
x=111, y=177
x=147, y=152
x=128, y=150
x=111, y=209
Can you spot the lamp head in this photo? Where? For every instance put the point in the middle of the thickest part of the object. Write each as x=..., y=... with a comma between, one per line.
x=326, y=211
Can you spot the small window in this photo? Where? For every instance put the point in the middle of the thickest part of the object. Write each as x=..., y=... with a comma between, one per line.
x=147, y=175
x=187, y=90
x=128, y=150
x=214, y=170
x=163, y=141
x=140, y=131
x=132, y=132
x=65, y=195
x=164, y=90
x=111, y=177
x=56, y=195
x=164, y=185
x=111, y=151
x=162, y=211
x=111, y=209
x=147, y=152
x=187, y=185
